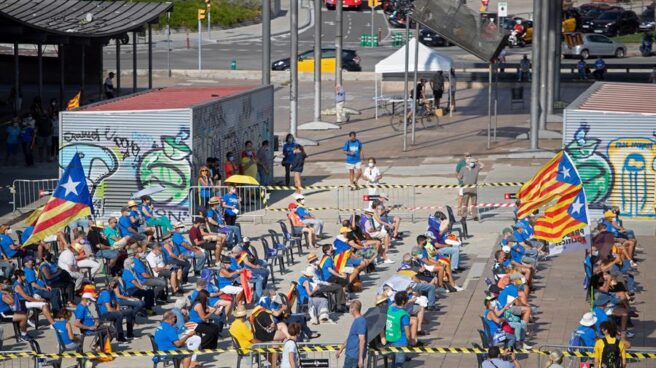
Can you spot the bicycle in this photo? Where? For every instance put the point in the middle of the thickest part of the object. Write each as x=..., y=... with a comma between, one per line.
x=424, y=117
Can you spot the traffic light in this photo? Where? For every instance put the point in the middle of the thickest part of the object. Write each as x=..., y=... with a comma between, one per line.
x=208, y=3
x=201, y=14
x=374, y=3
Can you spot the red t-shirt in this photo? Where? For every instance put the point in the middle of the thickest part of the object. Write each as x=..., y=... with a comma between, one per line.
x=229, y=169
x=195, y=234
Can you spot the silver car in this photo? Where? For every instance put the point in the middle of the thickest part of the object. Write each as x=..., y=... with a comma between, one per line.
x=594, y=45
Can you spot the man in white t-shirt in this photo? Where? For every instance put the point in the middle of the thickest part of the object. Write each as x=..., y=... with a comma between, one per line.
x=67, y=262
x=161, y=270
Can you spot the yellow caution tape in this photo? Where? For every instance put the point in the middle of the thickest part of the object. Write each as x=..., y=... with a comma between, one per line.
x=306, y=349
x=392, y=186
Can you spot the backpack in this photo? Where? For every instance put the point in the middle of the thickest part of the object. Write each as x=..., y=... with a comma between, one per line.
x=574, y=340
x=610, y=356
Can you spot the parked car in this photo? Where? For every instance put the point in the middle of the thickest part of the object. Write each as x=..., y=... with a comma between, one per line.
x=594, y=45
x=647, y=20
x=430, y=38
x=346, y=4
x=616, y=22
x=587, y=20
x=350, y=61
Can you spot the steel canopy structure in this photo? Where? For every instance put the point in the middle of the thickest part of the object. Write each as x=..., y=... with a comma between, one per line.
x=80, y=30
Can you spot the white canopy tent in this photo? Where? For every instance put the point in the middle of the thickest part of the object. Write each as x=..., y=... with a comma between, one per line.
x=429, y=60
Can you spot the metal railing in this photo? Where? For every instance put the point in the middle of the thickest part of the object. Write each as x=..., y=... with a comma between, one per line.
x=28, y=195
x=349, y=199
x=252, y=203
x=311, y=355
x=575, y=361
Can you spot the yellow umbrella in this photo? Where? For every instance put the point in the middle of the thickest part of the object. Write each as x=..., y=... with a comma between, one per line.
x=242, y=179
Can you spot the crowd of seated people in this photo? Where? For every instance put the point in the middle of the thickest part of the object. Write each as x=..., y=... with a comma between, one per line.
x=611, y=289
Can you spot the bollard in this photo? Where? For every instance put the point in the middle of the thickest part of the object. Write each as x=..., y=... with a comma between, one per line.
x=368, y=42
x=375, y=43
x=380, y=33
x=363, y=40
x=233, y=64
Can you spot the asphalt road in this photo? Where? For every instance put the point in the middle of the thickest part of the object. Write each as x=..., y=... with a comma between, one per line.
x=246, y=51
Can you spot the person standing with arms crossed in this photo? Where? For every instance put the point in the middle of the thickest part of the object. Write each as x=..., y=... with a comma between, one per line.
x=354, y=156
x=356, y=342
x=340, y=99
x=462, y=163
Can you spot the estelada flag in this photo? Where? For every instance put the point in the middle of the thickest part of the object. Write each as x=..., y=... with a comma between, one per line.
x=244, y=277
x=291, y=294
x=556, y=179
x=70, y=201
x=567, y=215
x=341, y=259
x=74, y=102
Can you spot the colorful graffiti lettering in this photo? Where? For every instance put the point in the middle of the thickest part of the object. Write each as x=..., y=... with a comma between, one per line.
x=98, y=162
x=162, y=166
x=593, y=167
x=635, y=172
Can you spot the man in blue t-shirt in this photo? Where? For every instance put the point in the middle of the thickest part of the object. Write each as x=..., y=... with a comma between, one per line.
x=354, y=157
x=231, y=206
x=109, y=310
x=166, y=337
x=187, y=249
x=356, y=342
x=586, y=330
x=126, y=228
x=83, y=318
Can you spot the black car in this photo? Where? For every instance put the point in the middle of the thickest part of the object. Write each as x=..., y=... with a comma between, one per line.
x=616, y=22
x=587, y=20
x=430, y=38
x=647, y=20
x=350, y=59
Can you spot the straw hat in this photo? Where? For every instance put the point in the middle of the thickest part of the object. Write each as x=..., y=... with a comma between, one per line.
x=344, y=230
x=214, y=200
x=132, y=203
x=311, y=257
x=179, y=225
x=99, y=224
x=240, y=311
x=609, y=214
x=308, y=271
x=368, y=210
x=380, y=298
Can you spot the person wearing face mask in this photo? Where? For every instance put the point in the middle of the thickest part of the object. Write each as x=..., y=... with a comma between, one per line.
x=249, y=161
x=288, y=156
x=469, y=176
x=354, y=156
x=13, y=133
x=230, y=167
x=7, y=245
x=307, y=218
x=231, y=206
x=372, y=175
x=135, y=289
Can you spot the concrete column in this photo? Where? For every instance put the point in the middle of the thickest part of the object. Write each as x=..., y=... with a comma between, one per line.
x=266, y=42
x=134, y=62
x=535, y=74
x=543, y=60
x=118, y=67
x=293, y=88
x=150, y=57
x=338, y=41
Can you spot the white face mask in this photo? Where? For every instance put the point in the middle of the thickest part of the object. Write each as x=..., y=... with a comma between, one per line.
x=9, y=231
x=181, y=231
x=595, y=253
x=472, y=164
x=371, y=164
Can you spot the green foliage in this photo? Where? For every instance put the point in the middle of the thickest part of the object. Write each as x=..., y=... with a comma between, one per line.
x=630, y=38
x=225, y=13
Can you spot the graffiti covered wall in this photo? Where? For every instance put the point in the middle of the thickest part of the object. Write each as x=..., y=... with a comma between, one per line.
x=225, y=127
x=126, y=152
x=616, y=158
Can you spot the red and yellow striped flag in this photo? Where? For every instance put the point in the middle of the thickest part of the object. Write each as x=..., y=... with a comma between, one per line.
x=70, y=201
x=556, y=179
x=74, y=102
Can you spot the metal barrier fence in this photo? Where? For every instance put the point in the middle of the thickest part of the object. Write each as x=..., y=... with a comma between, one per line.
x=30, y=194
x=576, y=356
x=349, y=199
x=311, y=355
x=252, y=203
x=18, y=362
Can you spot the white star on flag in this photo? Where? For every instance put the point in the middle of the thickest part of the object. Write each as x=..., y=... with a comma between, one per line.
x=70, y=186
x=576, y=206
x=565, y=172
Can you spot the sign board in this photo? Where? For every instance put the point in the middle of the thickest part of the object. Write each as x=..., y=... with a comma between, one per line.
x=502, y=9
x=578, y=240
x=315, y=363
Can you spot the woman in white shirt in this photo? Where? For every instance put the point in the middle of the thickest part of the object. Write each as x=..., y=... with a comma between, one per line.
x=290, y=357
x=372, y=175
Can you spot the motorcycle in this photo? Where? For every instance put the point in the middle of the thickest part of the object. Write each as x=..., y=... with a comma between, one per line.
x=515, y=39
